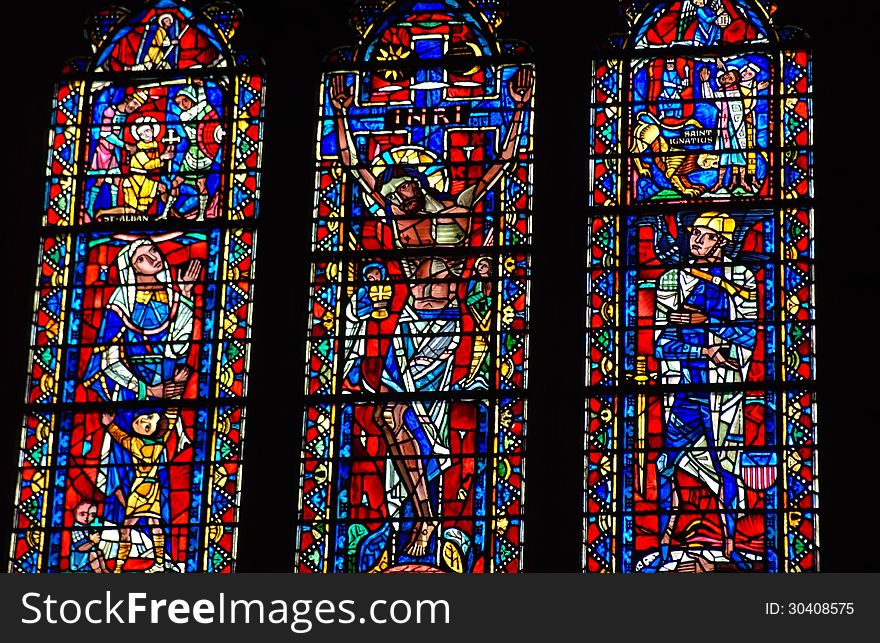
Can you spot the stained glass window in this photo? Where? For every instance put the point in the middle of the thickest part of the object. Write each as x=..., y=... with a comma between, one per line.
x=130, y=451
x=700, y=415
x=414, y=433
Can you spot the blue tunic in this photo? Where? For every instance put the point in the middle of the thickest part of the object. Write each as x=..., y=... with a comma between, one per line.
x=690, y=417
x=708, y=32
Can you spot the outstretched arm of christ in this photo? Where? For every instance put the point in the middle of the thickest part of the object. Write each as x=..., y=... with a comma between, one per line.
x=342, y=98
x=520, y=88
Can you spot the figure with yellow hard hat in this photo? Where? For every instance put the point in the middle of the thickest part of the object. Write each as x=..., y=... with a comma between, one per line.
x=706, y=333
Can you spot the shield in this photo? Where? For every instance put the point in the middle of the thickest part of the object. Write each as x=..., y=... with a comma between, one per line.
x=210, y=135
x=759, y=470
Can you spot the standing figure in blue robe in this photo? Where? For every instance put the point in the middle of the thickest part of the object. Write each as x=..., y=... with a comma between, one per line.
x=705, y=314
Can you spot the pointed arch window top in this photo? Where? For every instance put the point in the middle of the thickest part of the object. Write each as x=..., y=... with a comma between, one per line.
x=468, y=25
x=165, y=35
x=704, y=23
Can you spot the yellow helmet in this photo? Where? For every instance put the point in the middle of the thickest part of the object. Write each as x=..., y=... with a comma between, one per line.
x=719, y=222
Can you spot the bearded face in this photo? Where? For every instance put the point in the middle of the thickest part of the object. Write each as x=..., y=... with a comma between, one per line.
x=410, y=197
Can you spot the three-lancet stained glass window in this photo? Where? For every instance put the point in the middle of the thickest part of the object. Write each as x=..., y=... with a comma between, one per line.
x=700, y=414
x=416, y=367
x=130, y=451
x=700, y=417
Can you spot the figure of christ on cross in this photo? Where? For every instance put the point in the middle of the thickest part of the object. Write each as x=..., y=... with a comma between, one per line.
x=421, y=356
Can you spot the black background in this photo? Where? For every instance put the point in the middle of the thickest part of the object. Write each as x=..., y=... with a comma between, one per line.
x=293, y=37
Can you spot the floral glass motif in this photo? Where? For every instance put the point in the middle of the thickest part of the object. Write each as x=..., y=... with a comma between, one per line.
x=418, y=333
x=136, y=403
x=700, y=413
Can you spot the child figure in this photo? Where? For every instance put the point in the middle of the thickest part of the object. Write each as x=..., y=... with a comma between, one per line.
x=85, y=552
x=145, y=498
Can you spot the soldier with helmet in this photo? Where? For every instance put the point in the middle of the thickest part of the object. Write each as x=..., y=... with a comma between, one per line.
x=204, y=135
x=706, y=333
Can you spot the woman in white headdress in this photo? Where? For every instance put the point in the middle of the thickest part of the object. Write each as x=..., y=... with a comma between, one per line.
x=145, y=333
x=142, y=346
